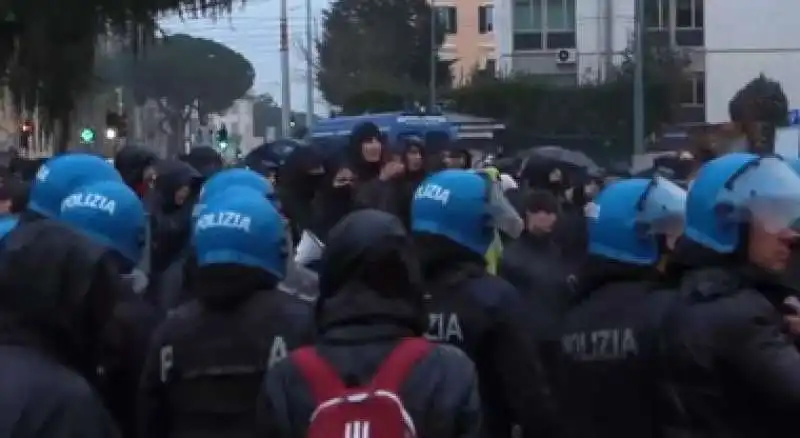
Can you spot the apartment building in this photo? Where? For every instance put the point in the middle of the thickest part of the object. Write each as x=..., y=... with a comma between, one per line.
x=469, y=36
x=728, y=43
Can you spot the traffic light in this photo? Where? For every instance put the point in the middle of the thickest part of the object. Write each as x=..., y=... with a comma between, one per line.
x=112, y=125
x=26, y=134
x=116, y=125
x=222, y=137
x=87, y=136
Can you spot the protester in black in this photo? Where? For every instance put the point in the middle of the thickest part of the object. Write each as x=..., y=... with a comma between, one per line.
x=334, y=200
x=173, y=199
x=533, y=263
x=366, y=151
x=370, y=298
x=299, y=179
x=137, y=167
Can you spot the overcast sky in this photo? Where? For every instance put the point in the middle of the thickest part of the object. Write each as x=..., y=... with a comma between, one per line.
x=254, y=32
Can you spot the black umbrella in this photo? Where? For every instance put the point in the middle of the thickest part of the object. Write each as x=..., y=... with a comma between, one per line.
x=271, y=155
x=566, y=156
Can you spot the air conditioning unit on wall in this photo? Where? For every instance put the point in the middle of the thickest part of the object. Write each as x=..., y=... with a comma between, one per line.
x=566, y=57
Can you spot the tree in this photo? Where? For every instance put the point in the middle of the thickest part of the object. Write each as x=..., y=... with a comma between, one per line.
x=182, y=74
x=370, y=45
x=47, y=53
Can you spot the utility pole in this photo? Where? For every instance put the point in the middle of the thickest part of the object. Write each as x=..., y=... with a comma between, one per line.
x=638, y=80
x=309, y=66
x=434, y=48
x=286, y=104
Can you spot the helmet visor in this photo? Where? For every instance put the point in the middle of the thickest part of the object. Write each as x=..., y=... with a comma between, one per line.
x=504, y=216
x=663, y=207
x=766, y=191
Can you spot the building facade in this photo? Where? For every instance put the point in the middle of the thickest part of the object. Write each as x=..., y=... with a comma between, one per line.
x=469, y=36
x=568, y=42
x=728, y=43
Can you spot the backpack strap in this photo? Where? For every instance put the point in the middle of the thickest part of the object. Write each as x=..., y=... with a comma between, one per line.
x=320, y=377
x=398, y=363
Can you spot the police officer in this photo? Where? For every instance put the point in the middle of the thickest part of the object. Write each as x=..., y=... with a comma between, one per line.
x=110, y=214
x=733, y=370
x=209, y=357
x=59, y=177
x=454, y=215
x=609, y=340
x=172, y=286
x=232, y=179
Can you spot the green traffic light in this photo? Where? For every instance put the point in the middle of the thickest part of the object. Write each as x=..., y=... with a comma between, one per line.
x=87, y=135
x=223, y=145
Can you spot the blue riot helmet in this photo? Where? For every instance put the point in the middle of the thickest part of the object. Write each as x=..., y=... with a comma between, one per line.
x=110, y=214
x=461, y=206
x=245, y=229
x=232, y=178
x=626, y=219
x=60, y=176
x=738, y=188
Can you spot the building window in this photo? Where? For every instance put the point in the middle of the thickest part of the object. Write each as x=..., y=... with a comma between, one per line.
x=544, y=24
x=448, y=19
x=693, y=91
x=485, y=19
x=560, y=15
x=656, y=14
x=528, y=16
x=689, y=14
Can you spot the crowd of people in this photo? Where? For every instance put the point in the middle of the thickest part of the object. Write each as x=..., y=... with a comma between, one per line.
x=154, y=298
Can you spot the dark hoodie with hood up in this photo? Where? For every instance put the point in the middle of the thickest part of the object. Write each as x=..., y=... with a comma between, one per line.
x=371, y=297
x=171, y=229
x=219, y=347
x=130, y=162
x=57, y=299
x=297, y=186
x=365, y=170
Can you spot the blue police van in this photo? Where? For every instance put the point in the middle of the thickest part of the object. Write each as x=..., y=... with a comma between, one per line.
x=435, y=130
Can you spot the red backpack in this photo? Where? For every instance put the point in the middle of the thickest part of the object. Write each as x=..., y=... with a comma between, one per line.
x=371, y=411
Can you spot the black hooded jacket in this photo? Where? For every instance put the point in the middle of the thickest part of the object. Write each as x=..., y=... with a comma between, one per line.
x=171, y=229
x=484, y=316
x=365, y=170
x=205, y=159
x=331, y=203
x=57, y=298
x=131, y=161
x=297, y=186
x=733, y=371
x=370, y=298
x=208, y=358
x=610, y=358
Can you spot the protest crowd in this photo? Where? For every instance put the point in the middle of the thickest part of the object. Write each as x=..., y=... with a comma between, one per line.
x=387, y=291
